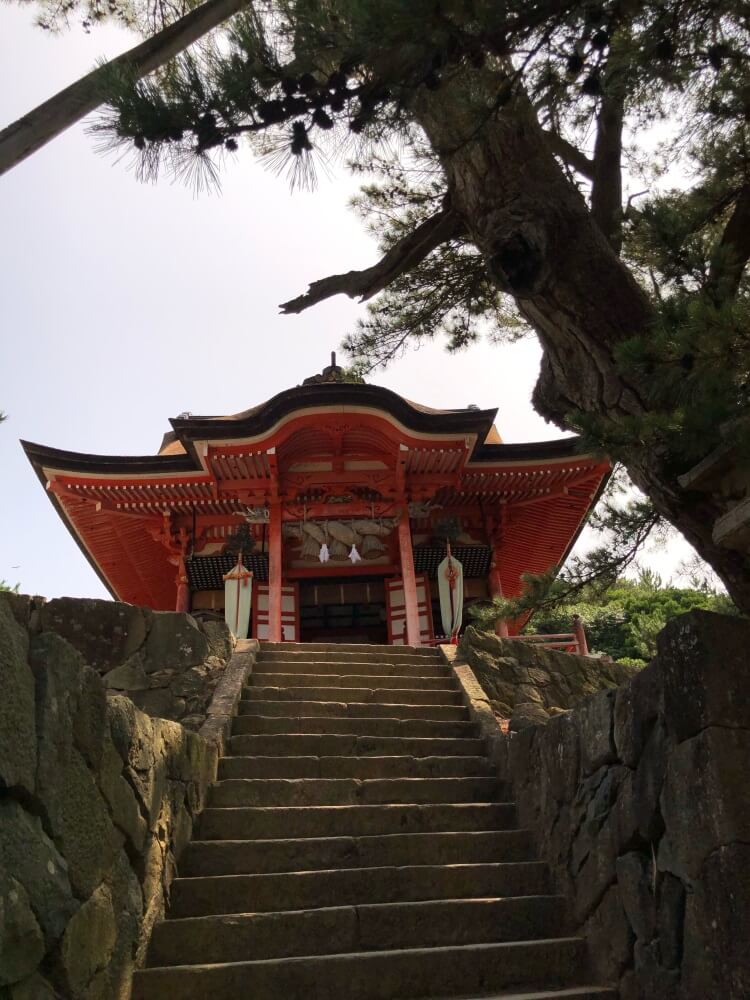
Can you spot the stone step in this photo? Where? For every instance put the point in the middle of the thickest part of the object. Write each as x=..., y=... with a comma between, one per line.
x=256, y=823
x=252, y=936
x=350, y=745
x=353, y=767
x=212, y=894
x=567, y=993
x=421, y=682
x=259, y=724
x=373, y=975
x=353, y=791
x=247, y=857
x=350, y=649
x=352, y=710
x=373, y=668
x=289, y=655
x=353, y=695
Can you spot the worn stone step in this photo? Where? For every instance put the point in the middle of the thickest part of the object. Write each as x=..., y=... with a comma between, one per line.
x=257, y=724
x=373, y=975
x=251, y=936
x=422, y=682
x=349, y=648
x=200, y=896
x=353, y=791
x=350, y=745
x=248, y=857
x=371, y=668
x=255, y=823
x=326, y=656
x=353, y=710
x=353, y=767
x=567, y=993
x=353, y=695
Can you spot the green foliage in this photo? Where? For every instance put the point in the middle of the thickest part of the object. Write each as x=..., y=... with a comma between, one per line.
x=7, y=587
x=448, y=294
x=624, y=620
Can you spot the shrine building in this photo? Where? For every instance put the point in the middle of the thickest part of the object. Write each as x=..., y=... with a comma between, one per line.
x=341, y=498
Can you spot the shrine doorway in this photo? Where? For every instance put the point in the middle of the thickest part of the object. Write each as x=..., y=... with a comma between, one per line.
x=343, y=610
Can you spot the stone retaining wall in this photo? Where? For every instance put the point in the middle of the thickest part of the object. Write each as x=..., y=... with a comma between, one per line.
x=639, y=801
x=97, y=799
x=167, y=663
x=529, y=684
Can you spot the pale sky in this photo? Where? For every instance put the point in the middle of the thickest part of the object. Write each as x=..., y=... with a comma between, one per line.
x=123, y=304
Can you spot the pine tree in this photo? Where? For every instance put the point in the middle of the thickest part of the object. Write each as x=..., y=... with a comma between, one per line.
x=499, y=133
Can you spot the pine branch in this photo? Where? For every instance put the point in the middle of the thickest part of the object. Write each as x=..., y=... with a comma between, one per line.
x=733, y=253
x=28, y=134
x=569, y=153
x=401, y=258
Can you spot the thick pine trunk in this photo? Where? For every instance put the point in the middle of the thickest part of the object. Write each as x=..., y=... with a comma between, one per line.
x=543, y=247
x=28, y=134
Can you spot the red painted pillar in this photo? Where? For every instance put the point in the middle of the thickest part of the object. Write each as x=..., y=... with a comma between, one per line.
x=410, y=579
x=274, y=573
x=496, y=590
x=183, y=588
x=580, y=633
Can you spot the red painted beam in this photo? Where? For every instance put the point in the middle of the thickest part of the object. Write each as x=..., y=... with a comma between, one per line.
x=274, y=574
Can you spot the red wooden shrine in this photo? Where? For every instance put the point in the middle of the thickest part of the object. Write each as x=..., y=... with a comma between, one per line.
x=327, y=463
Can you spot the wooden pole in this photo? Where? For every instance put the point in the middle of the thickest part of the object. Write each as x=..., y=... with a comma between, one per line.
x=183, y=588
x=496, y=590
x=580, y=633
x=410, y=579
x=274, y=573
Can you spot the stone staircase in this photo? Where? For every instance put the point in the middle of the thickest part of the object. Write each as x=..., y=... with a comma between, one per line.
x=358, y=846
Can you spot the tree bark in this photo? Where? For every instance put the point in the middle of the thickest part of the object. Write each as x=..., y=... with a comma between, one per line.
x=28, y=134
x=541, y=245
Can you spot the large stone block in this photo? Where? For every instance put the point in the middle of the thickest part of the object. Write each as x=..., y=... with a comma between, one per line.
x=17, y=712
x=174, y=641
x=90, y=717
x=219, y=639
x=58, y=670
x=704, y=800
x=19, y=605
x=28, y=853
x=636, y=879
x=82, y=825
x=123, y=804
x=648, y=781
x=637, y=705
x=21, y=938
x=88, y=943
x=595, y=718
x=106, y=633
x=706, y=668
x=609, y=936
x=129, y=676
x=36, y=987
x=716, y=957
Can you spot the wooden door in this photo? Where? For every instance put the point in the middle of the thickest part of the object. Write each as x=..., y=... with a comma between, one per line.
x=396, y=611
x=289, y=612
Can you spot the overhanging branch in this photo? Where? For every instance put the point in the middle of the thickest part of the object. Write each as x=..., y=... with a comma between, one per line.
x=733, y=251
x=402, y=257
x=569, y=153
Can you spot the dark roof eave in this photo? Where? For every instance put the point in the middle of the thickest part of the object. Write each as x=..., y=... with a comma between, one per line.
x=262, y=418
x=569, y=447
x=72, y=461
